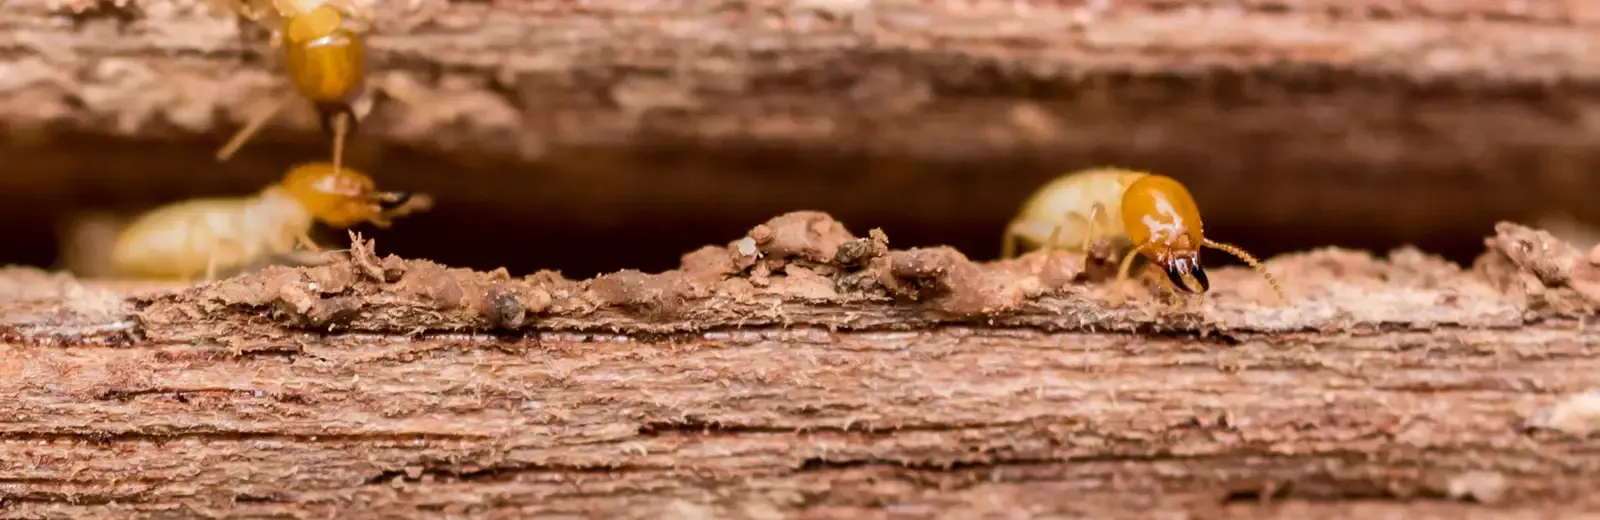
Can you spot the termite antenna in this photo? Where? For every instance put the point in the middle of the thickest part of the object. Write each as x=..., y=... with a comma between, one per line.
x=1008, y=243
x=401, y=203
x=1249, y=259
x=394, y=199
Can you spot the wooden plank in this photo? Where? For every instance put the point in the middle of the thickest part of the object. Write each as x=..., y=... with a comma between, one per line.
x=831, y=377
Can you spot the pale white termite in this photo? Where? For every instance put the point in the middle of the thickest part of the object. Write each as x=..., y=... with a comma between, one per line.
x=199, y=237
x=1137, y=212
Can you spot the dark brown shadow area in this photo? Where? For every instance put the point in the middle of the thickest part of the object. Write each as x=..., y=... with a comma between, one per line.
x=1281, y=161
x=585, y=213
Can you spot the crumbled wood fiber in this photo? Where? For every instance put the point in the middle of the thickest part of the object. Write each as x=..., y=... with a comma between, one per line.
x=805, y=268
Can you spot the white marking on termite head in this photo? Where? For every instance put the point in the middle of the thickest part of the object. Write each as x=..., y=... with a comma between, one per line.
x=1167, y=228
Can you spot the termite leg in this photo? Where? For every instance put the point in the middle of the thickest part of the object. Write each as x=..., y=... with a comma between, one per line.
x=1008, y=242
x=1088, y=225
x=1123, y=270
x=1092, y=229
x=305, y=241
x=211, y=266
x=253, y=126
x=1091, y=226
x=1053, y=242
x=1127, y=261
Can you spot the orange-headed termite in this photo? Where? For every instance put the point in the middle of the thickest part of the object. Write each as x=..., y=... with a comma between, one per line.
x=1145, y=214
x=201, y=237
x=324, y=55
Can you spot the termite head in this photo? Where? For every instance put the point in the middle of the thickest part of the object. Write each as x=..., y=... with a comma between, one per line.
x=1163, y=222
x=343, y=197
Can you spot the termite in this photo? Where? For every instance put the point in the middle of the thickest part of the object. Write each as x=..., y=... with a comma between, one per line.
x=1142, y=213
x=207, y=235
x=325, y=59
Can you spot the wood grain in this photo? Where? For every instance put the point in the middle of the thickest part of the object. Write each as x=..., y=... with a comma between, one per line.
x=876, y=383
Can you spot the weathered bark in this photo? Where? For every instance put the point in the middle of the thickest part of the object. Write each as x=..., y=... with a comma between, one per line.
x=1313, y=123
x=835, y=74
x=803, y=372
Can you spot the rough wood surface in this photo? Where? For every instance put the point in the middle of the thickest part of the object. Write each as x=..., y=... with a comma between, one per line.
x=803, y=372
x=520, y=75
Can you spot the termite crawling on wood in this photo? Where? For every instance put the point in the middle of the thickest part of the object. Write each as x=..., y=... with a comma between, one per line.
x=1149, y=214
x=203, y=236
x=324, y=55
